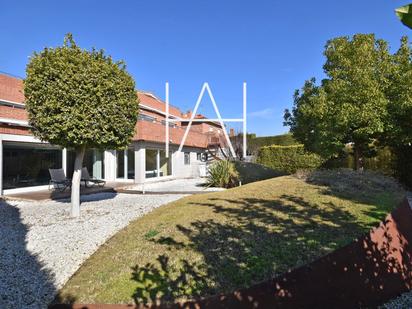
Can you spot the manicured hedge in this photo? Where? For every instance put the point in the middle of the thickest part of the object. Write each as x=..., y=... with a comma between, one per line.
x=288, y=159
x=255, y=143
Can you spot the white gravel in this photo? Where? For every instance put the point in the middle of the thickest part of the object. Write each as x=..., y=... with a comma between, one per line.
x=41, y=246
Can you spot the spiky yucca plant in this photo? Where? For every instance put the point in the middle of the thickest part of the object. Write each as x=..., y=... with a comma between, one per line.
x=223, y=174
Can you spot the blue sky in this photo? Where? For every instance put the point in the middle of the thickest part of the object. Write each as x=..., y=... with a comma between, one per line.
x=272, y=45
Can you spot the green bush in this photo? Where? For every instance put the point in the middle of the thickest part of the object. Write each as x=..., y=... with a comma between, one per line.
x=222, y=174
x=255, y=143
x=288, y=159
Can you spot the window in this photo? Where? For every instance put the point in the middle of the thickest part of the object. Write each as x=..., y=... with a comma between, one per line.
x=146, y=118
x=157, y=165
x=164, y=164
x=171, y=124
x=93, y=160
x=151, y=163
x=201, y=156
x=26, y=164
x=187, y=158
x=125, y=163
x=130, y=163
x=120, y=163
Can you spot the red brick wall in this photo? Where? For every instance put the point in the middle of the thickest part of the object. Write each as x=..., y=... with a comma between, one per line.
x=13, y=112
x=11, y=89
x=155, y=132
x=6, y=129
x=159, y=105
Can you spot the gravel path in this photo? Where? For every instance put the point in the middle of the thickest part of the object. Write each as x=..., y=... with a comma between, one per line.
x=41, y=246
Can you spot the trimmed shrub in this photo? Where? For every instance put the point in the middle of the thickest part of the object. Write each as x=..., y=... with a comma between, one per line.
x=288, y=159
x=255, y=143
x=222, y=174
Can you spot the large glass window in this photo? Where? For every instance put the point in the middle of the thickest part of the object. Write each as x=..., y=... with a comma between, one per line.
x=146, y=118
x=157, y=165
x=130, y=163
x=187, y=158
x=151, y=163
x=120, y=163
x=93, y=160
x=165, y=166
x=26, y=164
x=125, y=164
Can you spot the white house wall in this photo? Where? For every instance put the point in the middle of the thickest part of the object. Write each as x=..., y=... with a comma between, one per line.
x=110, y=165
x=180, y=169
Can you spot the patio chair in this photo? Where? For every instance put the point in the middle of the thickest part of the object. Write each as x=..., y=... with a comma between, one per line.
x=58, y=179
x=88, y=179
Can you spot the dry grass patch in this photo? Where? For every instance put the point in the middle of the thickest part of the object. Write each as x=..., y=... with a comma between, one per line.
x=217, y=242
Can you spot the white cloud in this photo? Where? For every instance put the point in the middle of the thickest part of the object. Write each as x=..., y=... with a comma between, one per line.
x=266, y=113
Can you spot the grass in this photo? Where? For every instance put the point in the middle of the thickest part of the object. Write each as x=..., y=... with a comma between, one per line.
x=217, y=242
x=251, y=172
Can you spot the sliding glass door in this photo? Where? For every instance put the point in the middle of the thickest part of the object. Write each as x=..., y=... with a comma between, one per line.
x=151, y=163
x=27, y=164
x=120, y=163
x=93, y=160
x=157, y=165
x=125, y=164
x=164, y=164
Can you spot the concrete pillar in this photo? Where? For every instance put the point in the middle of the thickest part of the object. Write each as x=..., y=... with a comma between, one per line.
x=139, y=164
x=110, y=165
x=125, y=167
x=64, y=161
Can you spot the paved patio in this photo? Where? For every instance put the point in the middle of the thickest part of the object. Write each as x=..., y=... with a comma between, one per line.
x=172, y=186
x=41, y=195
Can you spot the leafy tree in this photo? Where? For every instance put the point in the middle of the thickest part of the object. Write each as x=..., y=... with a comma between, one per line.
x=350, y=105
x=80, y=99
x=399, y=126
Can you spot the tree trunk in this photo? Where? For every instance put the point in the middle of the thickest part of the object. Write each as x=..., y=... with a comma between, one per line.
x=358, y=158
x=75, y=198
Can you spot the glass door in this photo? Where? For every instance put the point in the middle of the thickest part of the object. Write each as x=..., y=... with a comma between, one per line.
x=130, y=163
x=125, y=163
x=120, y=163
x=157, y=165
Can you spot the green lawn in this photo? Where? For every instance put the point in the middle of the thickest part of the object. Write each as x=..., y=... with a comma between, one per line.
x=206, y=244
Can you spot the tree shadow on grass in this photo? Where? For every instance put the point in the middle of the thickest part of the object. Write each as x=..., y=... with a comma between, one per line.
x=25, y=282
x=167, y=282
x=255, y=240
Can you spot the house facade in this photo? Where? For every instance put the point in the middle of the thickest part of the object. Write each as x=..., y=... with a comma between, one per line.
x=25, y=160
